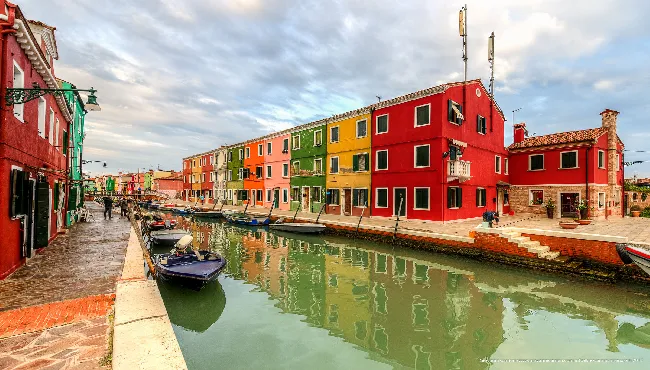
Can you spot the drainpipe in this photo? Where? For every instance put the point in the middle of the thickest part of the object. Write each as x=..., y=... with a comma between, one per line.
x=7, y=24
x=587, y=182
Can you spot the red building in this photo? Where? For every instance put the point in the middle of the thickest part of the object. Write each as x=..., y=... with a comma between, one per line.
x=439, y=153
x=567, y=168
x=207, y=177
x=172, y=185
x=254, y=171
x=187, y=179
x=33, y=141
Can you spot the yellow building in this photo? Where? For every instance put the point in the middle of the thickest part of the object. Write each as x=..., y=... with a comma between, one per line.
x=348, y=163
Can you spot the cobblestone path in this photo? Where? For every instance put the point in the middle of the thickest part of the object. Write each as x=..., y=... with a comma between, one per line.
x=54, y=311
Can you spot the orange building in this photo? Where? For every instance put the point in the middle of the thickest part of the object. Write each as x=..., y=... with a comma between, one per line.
x=254, y=172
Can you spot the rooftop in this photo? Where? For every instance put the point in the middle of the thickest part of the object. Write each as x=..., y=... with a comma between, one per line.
x=560, y=138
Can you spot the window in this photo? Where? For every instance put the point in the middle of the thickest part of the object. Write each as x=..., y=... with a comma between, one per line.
x=480, y=125
x=295, y=194
x=285, y=195
x=360, y=162
x=248, y=152
x=212, y=176
x=229, y=178
x=601, y=159
x=260, y=196
x=535, y=162
x=481, y=196
x=318, y=138
x=382, y=159
x=241, y=154
x=229, y=156
x=41, y=117
x=497, y=164
x=285, y=146
x=259, y=172
x=315, y=194
x=260, y=149
x=382, y=197
x=569, y=159
x=423, y=115
x=318, y=165
x=285, y=169
x=296, y=168
x=334, y=197
x=50, y=136
x=334, y=165
x=269, y=148
x=240, y=174
x=618, y=162
x=268, y=172
x=505, y=166
x=422, y=198
x=454, y=112
x=382, y=124
x=202, y=177
x=65, y=143
x=268, y=195
x=359, y=197
x=536, y=197
x=19, y=83
x=421, y=154
x=454, y=197
x=601, y=200
x=19, y=193
x=454, y=152
x=296, y=142
x=334, y=134
x=362, y=129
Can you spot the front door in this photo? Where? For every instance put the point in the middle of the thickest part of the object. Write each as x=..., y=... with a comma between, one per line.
x=568, y=204
x=305, y=199
x=399, y=202
x=276, y=198
x=42, y=214
x=347, y=201
x=29, y=218
x=499, y=201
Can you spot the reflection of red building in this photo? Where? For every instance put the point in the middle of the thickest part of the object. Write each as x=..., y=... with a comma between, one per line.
x=34, y=140
x=254, y=166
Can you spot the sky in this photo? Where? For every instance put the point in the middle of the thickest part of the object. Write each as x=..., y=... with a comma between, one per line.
x=176, y=78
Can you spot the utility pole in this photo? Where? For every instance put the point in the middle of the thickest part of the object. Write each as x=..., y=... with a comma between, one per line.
x=491, y=60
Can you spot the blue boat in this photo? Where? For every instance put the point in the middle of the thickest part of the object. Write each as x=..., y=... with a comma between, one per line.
x=247, y=220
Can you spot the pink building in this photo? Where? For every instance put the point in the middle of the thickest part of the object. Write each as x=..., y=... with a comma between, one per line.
x=276, y=170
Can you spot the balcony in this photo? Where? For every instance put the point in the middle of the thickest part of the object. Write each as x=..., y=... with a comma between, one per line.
x=458, y=170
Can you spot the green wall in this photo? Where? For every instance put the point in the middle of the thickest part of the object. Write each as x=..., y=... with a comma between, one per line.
x=73, y=146
x=306, y=155
x=234, y=165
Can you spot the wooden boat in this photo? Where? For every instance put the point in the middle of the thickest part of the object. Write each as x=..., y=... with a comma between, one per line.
x=195, y=311
x=208, y=214
x=248, y=220
x=164, y=238
x=296, y=227
x=192, y=269
x=640, y=256
x=161, y=224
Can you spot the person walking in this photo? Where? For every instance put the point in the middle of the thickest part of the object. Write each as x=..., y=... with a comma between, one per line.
x=202, y=199
x=108, y=207
x=124, y=207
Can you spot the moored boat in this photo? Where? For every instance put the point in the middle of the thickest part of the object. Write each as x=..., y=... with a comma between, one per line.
x=161, y=224
x=640, y=256
x=297, y=227
x=247, y=220
x=208, y=214
x=168, y=238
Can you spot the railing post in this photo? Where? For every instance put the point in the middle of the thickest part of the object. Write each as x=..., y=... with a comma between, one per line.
x=321, y=211
x=360, y=217
x=399, y=210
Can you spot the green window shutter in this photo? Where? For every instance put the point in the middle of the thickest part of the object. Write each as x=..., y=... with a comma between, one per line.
x=367, y=160
x=449, y=197
x=355, y=197
x=450, y=111
x=355, y=163
x=459, y=197
x=14, y=193
x=56, y=195
x=458, y=120
x=65, y=143
x=478, y=123
x=478, y=197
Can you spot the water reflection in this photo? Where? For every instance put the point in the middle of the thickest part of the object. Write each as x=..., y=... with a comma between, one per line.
x=193, y=310
x=411, y=309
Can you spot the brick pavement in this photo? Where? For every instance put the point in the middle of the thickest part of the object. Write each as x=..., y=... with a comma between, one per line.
x=54, y=310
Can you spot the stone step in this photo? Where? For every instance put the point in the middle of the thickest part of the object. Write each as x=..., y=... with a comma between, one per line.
x=520, y=239
x=549, y=255
x=511, y=234
x=538, y=249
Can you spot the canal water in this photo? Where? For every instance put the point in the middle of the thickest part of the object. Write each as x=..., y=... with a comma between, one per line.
x=288, y=301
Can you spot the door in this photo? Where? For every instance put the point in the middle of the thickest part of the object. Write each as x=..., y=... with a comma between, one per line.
x=276, y=198
x=399, y=202
x=347, y=201
x=499, y=201
x=305, y=198
x=30, y=185
x=42, y=214
x=568, y=204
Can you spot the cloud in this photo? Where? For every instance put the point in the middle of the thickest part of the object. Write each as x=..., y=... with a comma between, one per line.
x=176, y=78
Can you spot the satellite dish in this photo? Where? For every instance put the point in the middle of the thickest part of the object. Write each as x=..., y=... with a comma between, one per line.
x=491, y=47
x=461, y=22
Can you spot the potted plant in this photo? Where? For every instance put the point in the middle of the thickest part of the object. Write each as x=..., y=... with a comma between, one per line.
x=583, y=208
x=644, y=196
x=635, y=210
x=550, y=207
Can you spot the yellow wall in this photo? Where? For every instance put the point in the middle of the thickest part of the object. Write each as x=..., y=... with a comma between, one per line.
x=196, y=171
x=347, y=146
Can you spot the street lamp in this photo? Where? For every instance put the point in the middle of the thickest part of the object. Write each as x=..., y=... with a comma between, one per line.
x=23, y=95
x=86, y=162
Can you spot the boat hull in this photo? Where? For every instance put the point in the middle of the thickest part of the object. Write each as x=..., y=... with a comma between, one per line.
x=166, y=238
x=304, y=228
x=247, y=221
x=214, y=214
x=188, y=270
x=640, y=256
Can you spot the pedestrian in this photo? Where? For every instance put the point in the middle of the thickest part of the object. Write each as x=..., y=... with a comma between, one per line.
x=202, y=198
x=124, y=207
x=108, y=207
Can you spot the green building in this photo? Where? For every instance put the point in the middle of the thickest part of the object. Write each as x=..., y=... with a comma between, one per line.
x=148, y=180
x=89, y=186
x=308, y=156
x=110, y=185
x=234, y=176
x=73, y=146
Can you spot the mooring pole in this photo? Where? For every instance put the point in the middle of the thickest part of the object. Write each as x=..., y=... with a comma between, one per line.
x=272, y=204
x=362, y=211
x=295, y=214
x=399, y=210
x=321, y=211
x=245, y=208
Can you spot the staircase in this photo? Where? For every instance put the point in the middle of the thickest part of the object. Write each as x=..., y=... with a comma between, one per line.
x=542, y=251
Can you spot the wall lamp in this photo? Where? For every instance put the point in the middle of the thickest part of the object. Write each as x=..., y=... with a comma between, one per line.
x=23, y=95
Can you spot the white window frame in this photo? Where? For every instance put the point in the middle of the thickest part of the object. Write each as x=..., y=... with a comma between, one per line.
x=318, y=171
x=285, y=195
x=485, y=199
x=478, y=119
x=377, y=160
x=269, y=148
x=313, y=191
x=497, y=164
x=356, y=128
x=377, y=198
x=415, y=198
x=260, y=150
x=377, y=124
x=604, y=200
x=241, y=154
x=293, y=165
x=288, y=169
x=577, y=158
x=19, y=109
x=269, y=171
x=50, y=136
x=247, y=152
x=295, y=139
x=337, y=164
x=603, y=154
x=229, y=175
x=42, y=116
x=530, y=162
x=530, y=197
x=455, y=196
x=321, y=137
x=415, y=156
x=415, y=115
x=367, y=195
x=288, y=144
x=338, y=138
x=268, y=196
x=505, y=166
x=57, y=126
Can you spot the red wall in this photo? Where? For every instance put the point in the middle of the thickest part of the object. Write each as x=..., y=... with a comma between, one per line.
x=252, y=182
x=206, y=169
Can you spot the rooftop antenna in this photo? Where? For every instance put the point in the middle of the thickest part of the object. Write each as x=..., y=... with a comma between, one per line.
x=462, y=30
x=491, y=60
x=513, y=114
x=378, y=98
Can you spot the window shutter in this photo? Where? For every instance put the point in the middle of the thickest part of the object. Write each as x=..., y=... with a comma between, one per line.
x=449, y=197
x=367, y=160
x=355, y=162
x=459, y=197
x=459, y=120
x=478, y=197
x=65, y=143
x=355, y=197
x=450, y=111
x=14, y=193
x=56, y=195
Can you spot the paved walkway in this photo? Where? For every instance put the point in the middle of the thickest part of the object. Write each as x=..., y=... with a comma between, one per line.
x=54, y=311
x=636, y=229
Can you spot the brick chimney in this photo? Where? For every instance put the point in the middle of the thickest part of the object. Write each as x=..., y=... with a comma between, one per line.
x=609, y=122
x=520, y=132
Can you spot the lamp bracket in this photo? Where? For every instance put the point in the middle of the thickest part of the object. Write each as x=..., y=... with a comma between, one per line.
x=23, y=95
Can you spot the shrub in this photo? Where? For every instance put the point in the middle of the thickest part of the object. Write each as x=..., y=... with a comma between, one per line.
x=646, y=212
x=635, y=207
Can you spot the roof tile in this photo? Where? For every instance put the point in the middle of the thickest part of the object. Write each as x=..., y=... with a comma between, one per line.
x=560, y=138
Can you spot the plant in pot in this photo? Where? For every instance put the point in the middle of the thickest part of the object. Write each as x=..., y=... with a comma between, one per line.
x=635, y=210
x=550, y=207
x=583, y=207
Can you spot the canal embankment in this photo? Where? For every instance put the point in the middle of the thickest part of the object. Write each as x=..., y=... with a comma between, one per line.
x=143, y=337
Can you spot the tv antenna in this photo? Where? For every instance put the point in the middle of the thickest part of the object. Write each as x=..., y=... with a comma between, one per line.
x=462, y=30
x=378, y=98
x=491, y=60
x=513, y=114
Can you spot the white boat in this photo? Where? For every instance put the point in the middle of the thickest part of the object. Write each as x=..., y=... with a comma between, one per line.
x=298, y=227
x=640, y=256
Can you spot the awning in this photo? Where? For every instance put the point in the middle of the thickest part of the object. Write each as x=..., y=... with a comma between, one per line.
x=458, y=143
x=458, y=114
x=503, y=183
